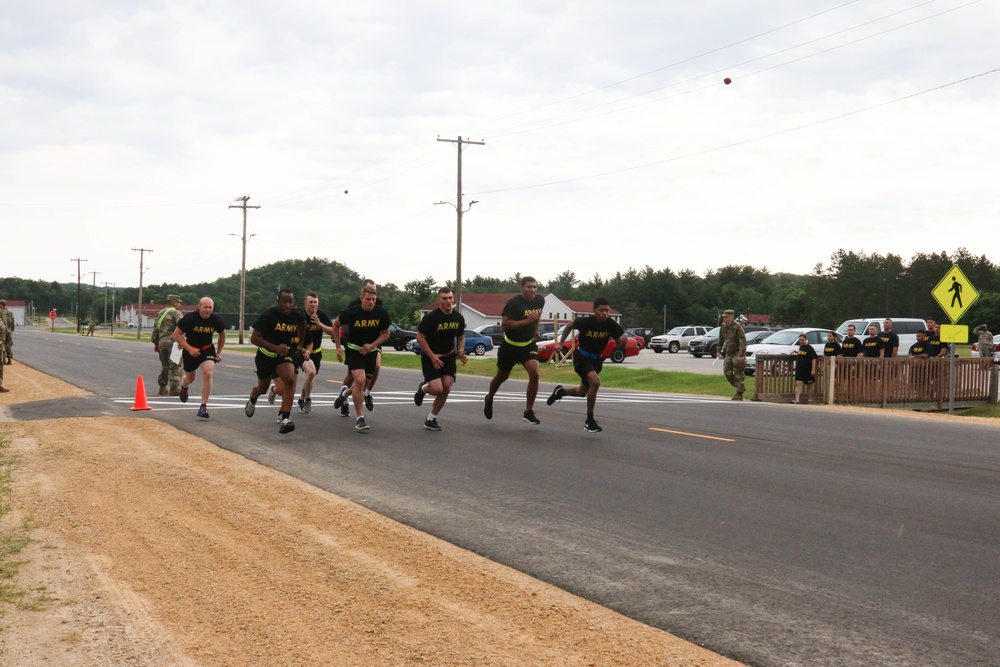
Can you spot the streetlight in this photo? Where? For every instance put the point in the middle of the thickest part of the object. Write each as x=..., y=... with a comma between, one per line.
x=458, y=252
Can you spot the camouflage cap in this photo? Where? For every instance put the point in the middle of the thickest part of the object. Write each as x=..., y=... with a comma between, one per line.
x=174, y=297
x=728, y=312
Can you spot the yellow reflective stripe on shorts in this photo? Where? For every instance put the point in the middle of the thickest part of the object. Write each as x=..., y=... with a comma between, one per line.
x=267, y=352
x=357, y=348
x=516, y=343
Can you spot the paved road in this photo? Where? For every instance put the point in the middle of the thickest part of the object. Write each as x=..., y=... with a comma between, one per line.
x=774, y=534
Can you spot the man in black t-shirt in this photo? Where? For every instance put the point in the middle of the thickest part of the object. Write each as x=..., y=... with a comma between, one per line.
x=277, y=333
x=852, y=345
x=441, y=335
x=341, y=401
x=317, y=323
x=922, y=348
x=193, y=334
x=872, y=345
x=889, y=338
x=367, y=327
x=519, y=320
x=593, y=334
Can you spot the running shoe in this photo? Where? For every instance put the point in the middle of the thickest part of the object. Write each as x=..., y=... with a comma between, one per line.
x=308, y=406
x=369, y=402
x=431, y=424
x=361, y=424
x=418, y=397
x=345, y=411
x=271, y=394
x=184, y=394
x=488, y=407
x=250, y=407
x=529, y=416
x=203, y=412
x=286, y=426
x=557, y=393
x=302, y=405
x=337, y=402
x=592, y=426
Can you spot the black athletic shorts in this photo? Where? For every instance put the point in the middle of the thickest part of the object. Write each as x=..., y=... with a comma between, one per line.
x=431, y=373
x=355, y=360
x=267, y=366
x=511, y=355
x=192, y=363
x=583, y=366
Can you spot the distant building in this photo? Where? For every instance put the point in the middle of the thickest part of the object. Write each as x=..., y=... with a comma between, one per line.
x=19, y=309
x=130, y=314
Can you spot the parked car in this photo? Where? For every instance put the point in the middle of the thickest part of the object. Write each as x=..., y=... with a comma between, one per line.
x=677, y=338
x=645, y=332
x=975, y=351
x=709, y=343
x=474, y=344
x=639, y=340
x=757, y=336
x=493, y=331
x=611, y=351
x=786, y=342
x=399, y=337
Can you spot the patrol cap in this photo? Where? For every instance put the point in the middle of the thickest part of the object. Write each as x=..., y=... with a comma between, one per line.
x=728, y=312
x=174, y=297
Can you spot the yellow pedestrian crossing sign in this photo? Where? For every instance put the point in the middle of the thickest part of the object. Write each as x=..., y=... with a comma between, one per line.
x=955, y=294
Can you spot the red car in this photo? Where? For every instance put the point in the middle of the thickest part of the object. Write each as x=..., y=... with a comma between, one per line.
x=611, y=350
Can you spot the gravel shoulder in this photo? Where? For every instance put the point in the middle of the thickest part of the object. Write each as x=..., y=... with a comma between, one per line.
x=154, y=547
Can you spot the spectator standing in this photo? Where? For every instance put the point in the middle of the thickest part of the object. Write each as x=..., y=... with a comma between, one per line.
x=7, y=356
x=852, y=346
x=985, y=342
x=163, y=342
x=890, y=340
x=805, y=368
x=733, y=350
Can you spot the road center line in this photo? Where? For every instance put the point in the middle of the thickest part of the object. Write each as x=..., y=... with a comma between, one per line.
x=693, y=435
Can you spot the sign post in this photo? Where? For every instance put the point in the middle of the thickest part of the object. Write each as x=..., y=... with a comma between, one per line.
x=955, y=294
x=52, y=320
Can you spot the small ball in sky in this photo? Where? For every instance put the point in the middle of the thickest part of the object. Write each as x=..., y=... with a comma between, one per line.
x=345, y=192
x=727, y=81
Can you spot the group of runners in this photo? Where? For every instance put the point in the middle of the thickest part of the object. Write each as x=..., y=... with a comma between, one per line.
x=289, y=342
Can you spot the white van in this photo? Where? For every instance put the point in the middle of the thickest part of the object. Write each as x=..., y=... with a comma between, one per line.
x=904, y=327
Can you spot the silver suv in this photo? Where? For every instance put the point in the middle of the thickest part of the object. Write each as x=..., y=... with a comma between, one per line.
x=677, y=338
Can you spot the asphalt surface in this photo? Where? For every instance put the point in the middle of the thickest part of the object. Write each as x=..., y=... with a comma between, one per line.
x=773, y=534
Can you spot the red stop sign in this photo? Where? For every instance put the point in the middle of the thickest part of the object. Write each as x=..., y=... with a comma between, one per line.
x=52, y=314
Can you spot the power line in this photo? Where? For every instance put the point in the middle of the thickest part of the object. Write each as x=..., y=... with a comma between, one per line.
x=744, y=141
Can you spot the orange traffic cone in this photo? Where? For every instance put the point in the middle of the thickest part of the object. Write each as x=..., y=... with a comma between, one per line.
x=140, y=396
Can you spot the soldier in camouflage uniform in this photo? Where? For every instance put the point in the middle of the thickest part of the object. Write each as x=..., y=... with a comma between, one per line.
x=3, y=332
x=163, y=342
x=986, y=346
x=733, y=350
x=8, y=344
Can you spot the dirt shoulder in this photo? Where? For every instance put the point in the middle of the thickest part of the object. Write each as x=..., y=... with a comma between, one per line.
x=154, y=547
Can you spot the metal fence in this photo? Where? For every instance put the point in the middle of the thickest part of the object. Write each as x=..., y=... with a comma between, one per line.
x=896, y=381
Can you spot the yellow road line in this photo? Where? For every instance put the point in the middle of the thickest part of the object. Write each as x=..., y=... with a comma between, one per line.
x=693, y=435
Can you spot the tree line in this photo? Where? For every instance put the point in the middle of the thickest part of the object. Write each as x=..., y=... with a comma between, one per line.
x=852, y=284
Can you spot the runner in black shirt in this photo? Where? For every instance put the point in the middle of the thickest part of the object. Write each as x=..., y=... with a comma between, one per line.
x=277, y=333
x=519, y=320
x=194, y=335
x=441, y=335
x=593, y=334
x=367, y=327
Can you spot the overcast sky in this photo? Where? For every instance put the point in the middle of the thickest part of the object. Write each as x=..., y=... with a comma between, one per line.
x=611, y=140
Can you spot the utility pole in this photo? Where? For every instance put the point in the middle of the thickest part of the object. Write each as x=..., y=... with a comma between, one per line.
x=93, y=294
x=142, y=254
x=243, y=263
x=77, y=260
x=459, y=143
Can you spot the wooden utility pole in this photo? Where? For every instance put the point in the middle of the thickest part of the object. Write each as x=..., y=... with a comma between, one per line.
x=78, y=275
x=460, y=143
x=243, y=262
x=138, y=326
